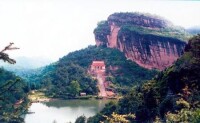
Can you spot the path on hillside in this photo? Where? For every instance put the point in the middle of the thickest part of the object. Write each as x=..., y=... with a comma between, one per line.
x=101, y=85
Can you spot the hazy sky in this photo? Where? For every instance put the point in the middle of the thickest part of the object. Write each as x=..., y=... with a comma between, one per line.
x=53, y=28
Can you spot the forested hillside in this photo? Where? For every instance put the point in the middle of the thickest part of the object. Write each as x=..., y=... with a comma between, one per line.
x=172, y=96
x=57, y=78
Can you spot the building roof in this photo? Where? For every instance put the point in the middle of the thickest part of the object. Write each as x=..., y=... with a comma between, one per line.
x=98, y=63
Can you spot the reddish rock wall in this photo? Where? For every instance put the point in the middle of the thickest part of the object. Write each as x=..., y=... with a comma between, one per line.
x=147, y=50
x=162, y=51
x=112, y=38
x=150, y=51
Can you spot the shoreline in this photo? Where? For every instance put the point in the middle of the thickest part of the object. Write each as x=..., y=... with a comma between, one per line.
x=39, y=96
x=76, y=98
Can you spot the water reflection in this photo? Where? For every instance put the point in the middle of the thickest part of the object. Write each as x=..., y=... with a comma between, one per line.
x=63, y=111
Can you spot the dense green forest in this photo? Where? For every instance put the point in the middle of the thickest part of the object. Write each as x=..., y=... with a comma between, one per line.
x=130, y=72
x=56, y=78
x=13, y=97
x=173, y=95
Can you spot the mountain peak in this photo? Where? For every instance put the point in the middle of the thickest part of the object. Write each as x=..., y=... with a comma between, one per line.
x=148, y=40
x=140, y=19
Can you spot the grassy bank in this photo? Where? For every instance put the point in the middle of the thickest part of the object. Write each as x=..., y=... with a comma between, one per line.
x=40, y=96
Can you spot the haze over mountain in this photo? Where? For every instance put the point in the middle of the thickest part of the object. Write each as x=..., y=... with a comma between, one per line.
x=194, y=30
x=27, y=63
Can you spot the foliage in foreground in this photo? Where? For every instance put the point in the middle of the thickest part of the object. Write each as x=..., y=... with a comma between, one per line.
x=117, y=118
x=81, y=119
x=13, y=92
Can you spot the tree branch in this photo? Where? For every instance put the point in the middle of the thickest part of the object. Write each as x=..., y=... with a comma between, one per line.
x=5, y=57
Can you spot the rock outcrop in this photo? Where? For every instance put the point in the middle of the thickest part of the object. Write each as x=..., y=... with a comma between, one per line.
x=150, y=41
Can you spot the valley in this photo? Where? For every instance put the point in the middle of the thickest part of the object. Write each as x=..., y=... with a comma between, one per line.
x=141, y=69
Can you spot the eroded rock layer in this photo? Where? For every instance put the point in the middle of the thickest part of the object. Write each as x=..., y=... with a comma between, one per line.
x=150, y=41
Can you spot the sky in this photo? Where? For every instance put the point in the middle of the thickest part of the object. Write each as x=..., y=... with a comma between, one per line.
x=53, y=28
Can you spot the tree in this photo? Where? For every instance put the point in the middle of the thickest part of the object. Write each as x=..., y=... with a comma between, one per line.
x=117, y=118
x=74, y=88
x=5, y=57
x=13, y=91
x=81, y=119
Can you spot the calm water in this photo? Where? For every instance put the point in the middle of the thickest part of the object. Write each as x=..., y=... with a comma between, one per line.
x=63, y=111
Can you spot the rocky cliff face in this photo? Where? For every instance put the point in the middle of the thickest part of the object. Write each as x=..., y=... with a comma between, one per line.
x=150, y=41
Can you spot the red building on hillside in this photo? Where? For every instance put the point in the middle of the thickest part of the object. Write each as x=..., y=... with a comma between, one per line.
x=98, y=67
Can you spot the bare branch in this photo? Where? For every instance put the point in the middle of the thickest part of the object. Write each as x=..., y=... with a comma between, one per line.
x=5, y=57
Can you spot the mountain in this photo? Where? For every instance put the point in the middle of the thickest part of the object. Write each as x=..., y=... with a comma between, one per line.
x=148, y=40
x=130, y=44
x=27, y=63
x=172, y=96
x=27, y=67
x=194, y=30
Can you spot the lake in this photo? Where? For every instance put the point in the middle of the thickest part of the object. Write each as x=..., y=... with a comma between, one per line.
x=63, y=111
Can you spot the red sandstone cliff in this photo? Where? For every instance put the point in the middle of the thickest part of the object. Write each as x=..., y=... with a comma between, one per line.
x=147, y=40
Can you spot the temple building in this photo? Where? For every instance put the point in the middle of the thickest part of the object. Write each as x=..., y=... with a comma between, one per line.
x=98, y=67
